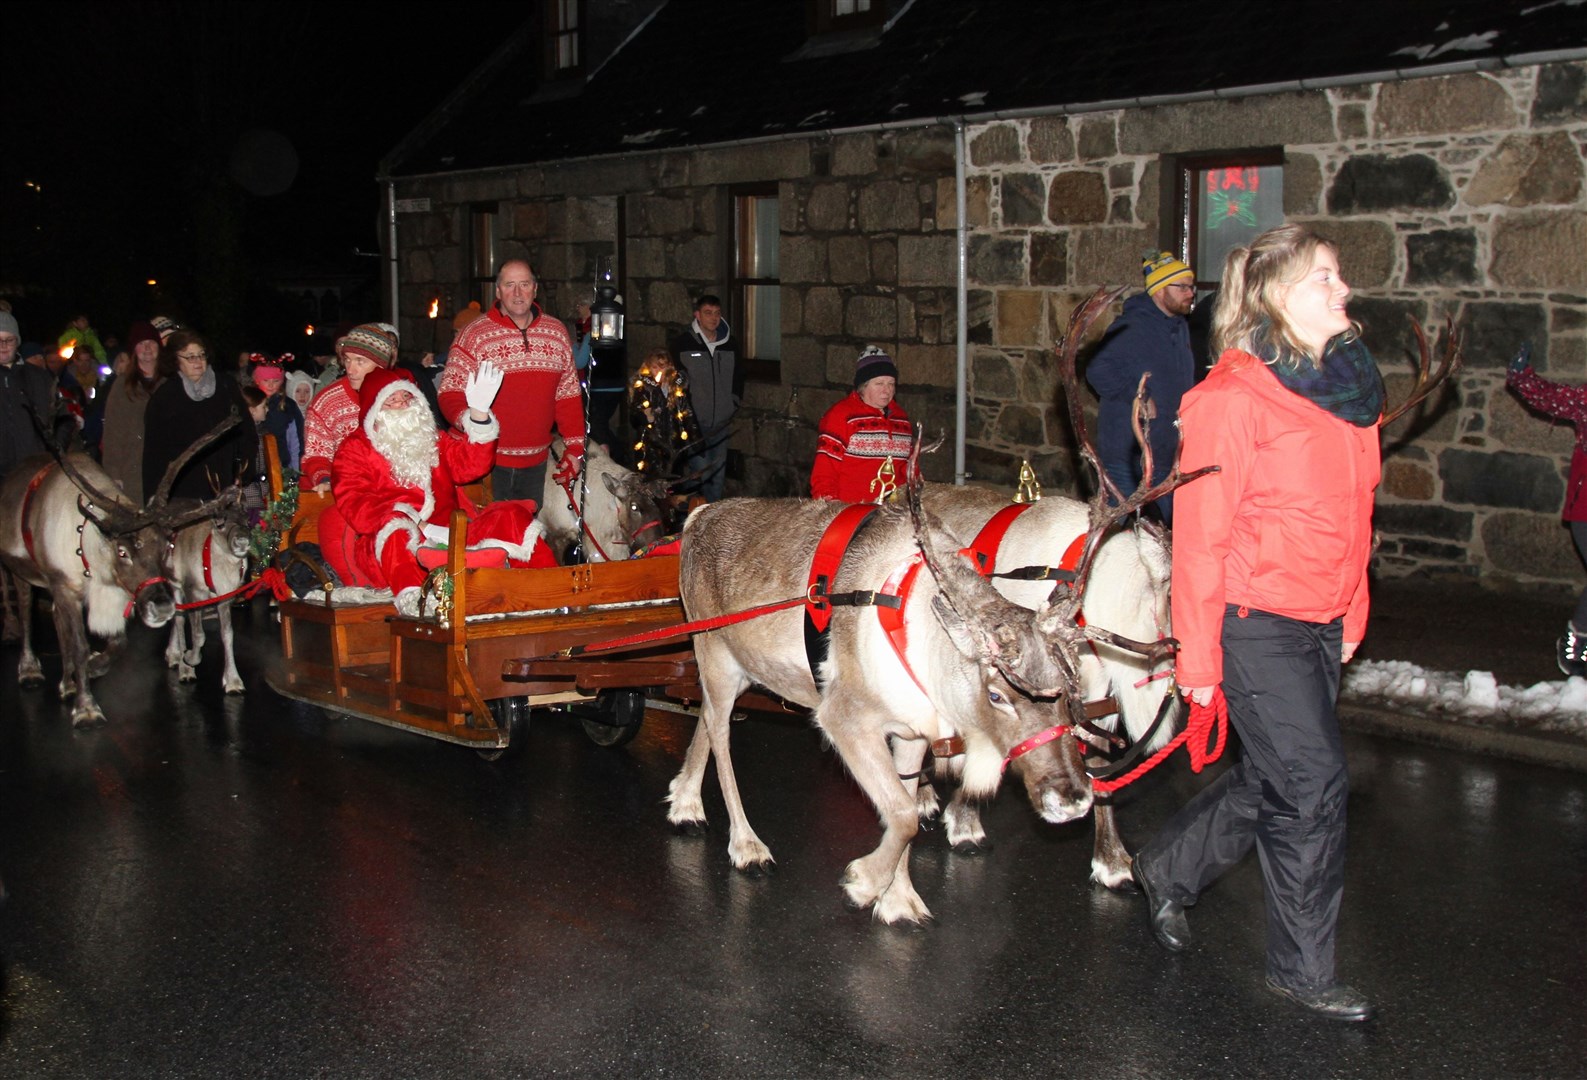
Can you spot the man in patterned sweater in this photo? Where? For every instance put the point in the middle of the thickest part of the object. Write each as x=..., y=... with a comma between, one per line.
x=862, y=449
x=333, y=415
x=541, y=386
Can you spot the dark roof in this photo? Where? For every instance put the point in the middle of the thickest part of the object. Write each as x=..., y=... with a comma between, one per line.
x=710, y=71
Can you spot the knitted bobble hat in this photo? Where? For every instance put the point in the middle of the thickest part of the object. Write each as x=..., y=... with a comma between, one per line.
x=873, y=363
x=1160, y=268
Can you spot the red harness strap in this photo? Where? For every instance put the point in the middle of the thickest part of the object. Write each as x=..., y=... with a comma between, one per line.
x=27, y=498
x=828, y=558
x=209, y=582
x=983, y=549
x=899, y=583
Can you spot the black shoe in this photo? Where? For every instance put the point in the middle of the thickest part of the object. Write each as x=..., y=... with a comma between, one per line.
x=1337, y=1002
x=1166, y=918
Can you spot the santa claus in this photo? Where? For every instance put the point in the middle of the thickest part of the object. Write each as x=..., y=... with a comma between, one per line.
x=396, y=481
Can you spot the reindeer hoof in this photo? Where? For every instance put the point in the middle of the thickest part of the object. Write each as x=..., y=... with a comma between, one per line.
x=973, y=847
x=690, y=828
x=186, y=674
x=758, y=869
x=30, y=679
x=86, y=718
x=238, y=688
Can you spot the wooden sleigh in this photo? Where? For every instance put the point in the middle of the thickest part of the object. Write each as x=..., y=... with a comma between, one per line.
x=443, y=676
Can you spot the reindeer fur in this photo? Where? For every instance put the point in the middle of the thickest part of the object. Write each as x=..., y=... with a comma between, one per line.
x=620, y=502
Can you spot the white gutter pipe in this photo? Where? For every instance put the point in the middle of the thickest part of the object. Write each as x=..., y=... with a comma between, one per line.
x=961, y=369
x=391, y=249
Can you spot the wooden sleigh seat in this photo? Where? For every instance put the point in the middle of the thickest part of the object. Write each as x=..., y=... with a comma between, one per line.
x=438, y=675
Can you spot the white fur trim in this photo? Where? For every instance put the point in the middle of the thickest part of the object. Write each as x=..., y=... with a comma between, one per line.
x=488, y=430
x=391, y=528
x=422, y=513
x=524, y=549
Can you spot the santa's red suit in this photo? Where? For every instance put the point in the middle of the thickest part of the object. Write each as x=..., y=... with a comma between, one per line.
x=372, y=533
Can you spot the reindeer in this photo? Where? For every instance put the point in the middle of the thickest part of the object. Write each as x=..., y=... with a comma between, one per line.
x=66, y=527
x=208, y=558
x=1129, y=593
x=623, y=514
x=974, y=667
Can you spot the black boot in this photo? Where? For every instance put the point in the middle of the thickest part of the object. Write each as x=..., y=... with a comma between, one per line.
x=1166, y=917
x=1571, y=652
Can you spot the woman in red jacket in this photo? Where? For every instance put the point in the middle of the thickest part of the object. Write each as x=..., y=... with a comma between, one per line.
x=1270, y=598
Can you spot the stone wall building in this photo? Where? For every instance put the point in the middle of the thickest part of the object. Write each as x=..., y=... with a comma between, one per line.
x=1456, y=198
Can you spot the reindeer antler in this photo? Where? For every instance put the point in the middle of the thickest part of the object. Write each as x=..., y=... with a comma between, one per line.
x=1448, y=364
x=162, y=494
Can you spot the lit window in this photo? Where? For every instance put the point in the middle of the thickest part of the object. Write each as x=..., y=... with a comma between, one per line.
x=756, y=284
x=564, y=48
x=482, y=219
x=1225, y=201
x=830, y=15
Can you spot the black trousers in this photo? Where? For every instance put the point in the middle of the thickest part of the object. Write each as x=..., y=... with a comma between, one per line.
x=1285, y=796
x=519, y=483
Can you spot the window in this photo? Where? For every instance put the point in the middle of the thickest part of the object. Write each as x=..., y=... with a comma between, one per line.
x=1226, y=200
x=482, y=226
x=564, y=38
x=756, y=285
x=827, y=16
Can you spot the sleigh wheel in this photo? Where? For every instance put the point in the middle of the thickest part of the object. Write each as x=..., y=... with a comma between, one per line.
x=617, y=717
x=512, y=717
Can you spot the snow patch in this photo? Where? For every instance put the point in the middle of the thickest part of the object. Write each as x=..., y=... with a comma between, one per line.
x=645, y=137
x=975, y=97
x=1469, y=43
x=1475, y=697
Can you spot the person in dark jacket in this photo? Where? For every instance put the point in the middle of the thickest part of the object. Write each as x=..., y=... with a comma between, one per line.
x=282, y=418
x=25, y=391
x=708, y=355
x=192, y=400
x=1151, y=337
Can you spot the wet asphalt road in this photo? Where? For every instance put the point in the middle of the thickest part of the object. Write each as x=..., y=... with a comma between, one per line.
x=216, y=887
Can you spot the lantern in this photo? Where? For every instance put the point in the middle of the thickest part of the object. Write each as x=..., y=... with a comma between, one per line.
x=606, y=313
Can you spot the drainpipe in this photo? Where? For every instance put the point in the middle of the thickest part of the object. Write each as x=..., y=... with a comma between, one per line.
x=391, y=248
x=961, y=381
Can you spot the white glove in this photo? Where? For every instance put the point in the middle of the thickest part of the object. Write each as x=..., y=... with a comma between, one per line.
x=483, y=384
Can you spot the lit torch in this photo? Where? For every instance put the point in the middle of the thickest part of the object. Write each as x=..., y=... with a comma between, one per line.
x=435, y=310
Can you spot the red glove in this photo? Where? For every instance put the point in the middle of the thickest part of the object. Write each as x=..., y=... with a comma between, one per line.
x=569, y=469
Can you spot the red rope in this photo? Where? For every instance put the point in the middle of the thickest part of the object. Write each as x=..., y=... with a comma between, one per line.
x=699, y=626
x=272, y=579
x=584, y=522
x=1207, y=723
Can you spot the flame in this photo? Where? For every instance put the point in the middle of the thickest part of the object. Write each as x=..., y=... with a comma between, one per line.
x=308, y=331
x=435, y=307
x=67, y=350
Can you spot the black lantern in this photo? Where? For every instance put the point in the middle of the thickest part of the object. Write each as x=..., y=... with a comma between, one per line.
x=606, y=313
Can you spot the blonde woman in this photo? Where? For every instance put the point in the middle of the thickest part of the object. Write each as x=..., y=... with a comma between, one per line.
x=1270, y=598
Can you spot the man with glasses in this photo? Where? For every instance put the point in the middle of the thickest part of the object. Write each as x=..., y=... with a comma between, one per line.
x=1150, y=337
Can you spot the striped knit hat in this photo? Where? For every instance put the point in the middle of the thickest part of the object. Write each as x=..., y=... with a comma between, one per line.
x=1161, y=268
x=369, y=341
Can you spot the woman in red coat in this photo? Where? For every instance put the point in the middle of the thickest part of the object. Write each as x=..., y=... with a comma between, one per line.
x=862, y=450
x=1270, y=598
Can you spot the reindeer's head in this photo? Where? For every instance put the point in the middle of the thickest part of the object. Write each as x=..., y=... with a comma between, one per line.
x=1027, y=684
x=639, y=516
x=119, y=544
x=131, y=546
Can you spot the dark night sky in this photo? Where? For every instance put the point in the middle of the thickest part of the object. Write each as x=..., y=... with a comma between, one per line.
x=129, y=117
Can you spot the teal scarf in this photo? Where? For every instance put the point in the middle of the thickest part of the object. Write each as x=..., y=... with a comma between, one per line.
x=1348, y=384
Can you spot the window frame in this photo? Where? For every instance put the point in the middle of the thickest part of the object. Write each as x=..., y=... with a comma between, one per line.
x=554, y=31
x=823, y=19
x=739, y=284
x=483, y=287
x=1187, y=223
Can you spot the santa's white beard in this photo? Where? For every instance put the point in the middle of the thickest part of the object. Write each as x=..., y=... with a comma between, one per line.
x=406, y=438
